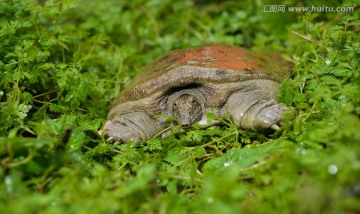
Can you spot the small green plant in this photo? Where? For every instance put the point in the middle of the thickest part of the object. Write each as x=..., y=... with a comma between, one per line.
x=62, y=62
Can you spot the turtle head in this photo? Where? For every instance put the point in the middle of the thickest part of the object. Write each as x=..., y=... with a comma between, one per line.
x=187, y=109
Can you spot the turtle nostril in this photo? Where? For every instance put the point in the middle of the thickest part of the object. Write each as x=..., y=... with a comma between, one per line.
x=185, y=125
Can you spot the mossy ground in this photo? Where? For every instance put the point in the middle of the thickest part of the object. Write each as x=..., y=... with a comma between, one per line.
x=62, y=62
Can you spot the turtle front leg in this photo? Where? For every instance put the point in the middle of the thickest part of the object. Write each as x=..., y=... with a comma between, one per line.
x=250, y=110
x=136, y=126
x=264, y=115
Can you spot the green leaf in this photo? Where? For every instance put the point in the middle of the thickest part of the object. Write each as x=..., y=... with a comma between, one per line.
x=154, y=144
x=77, y=139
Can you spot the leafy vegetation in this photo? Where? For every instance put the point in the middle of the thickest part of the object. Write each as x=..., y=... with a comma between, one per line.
x=62, y=62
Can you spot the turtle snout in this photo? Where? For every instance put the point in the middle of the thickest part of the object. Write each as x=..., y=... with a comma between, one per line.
x=185, y=125
x=185, y=121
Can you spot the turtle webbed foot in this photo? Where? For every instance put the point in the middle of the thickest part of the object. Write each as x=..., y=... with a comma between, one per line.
x=270, y=117
x=135, y=126
x=118, y=132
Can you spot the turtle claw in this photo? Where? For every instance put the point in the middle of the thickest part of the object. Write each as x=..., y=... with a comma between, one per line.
x=109, y=132
x=100, y=132
x=117, y=138
x=270, y=117
x=275, y=127
x=110, y=139
x=166, y=134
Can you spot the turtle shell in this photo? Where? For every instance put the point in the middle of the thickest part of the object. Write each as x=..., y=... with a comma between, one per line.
x=212, y=64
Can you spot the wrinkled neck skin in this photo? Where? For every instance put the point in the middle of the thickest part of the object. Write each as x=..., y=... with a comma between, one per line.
x=187, y=106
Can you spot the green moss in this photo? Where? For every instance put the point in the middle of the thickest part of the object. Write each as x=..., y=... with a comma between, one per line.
x=62, y=62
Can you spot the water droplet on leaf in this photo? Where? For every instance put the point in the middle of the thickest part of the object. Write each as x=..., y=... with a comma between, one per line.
x=226, y=164
x=332, y=169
